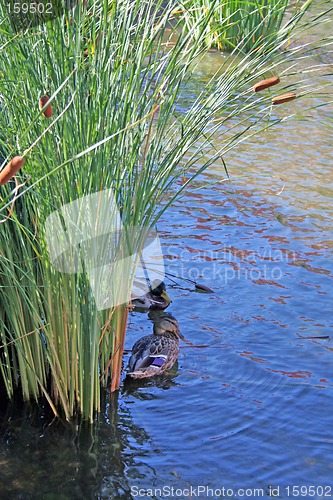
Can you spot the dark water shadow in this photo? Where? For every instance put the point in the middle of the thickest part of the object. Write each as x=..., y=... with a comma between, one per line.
x=47, y=458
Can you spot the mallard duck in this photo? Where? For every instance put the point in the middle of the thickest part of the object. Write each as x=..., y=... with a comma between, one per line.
x=156, y=298
x=156, y=353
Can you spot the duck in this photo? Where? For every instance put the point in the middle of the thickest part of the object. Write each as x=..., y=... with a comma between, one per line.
x=154, y=354
x=156, y=299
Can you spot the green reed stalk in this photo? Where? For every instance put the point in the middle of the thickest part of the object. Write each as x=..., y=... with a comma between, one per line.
x=238, y=24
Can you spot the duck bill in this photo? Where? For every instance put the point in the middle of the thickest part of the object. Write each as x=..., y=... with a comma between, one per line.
x=181, y=336
x=166, y=297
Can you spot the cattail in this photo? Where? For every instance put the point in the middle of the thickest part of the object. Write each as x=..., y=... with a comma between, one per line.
x=48, y=110
x=11, y=169
x=280, y=99
x=265, y=84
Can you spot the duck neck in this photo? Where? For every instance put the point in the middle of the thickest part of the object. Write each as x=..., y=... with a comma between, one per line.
x=169, y=335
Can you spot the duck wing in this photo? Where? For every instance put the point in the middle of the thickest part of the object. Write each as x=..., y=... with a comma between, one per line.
x=141, y=302
x=151, y=350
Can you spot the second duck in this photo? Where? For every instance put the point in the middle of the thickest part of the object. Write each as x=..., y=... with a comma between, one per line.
x=156, y=353
x=156, y=299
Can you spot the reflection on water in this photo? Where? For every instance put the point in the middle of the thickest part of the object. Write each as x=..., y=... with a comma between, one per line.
x=45, y=458
x=251, y=409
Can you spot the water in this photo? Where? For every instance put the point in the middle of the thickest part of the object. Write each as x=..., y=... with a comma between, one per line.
x=249, y=409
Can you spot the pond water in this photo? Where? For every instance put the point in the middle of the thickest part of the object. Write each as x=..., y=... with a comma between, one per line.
x=251, y=408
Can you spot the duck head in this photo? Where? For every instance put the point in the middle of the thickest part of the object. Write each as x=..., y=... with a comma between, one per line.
x=167, y=324
x=158, y=289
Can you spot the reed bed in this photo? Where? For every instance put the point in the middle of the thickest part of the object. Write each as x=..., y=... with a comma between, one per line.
x=238, y=24
x=113, y=81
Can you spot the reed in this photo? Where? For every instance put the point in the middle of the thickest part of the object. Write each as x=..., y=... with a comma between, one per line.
x=114, y=85
x=238, y=24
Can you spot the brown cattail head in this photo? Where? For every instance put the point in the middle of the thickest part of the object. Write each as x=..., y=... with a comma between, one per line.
x=11, y=169
x=48, y=110
x=280, y=99
x=265, y=84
